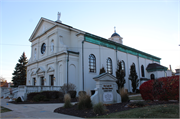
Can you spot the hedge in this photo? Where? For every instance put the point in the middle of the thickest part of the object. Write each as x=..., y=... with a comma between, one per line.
x=46, y=94
x=166, y=88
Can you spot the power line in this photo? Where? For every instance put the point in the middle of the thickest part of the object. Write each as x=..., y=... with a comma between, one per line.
x=103, y=47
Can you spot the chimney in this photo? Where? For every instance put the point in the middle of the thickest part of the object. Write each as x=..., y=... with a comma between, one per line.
x=170, y=67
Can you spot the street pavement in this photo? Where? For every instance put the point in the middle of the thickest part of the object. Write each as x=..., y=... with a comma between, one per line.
x=38, y=111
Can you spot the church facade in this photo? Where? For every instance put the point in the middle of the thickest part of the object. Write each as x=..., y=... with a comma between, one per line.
x=62, y=54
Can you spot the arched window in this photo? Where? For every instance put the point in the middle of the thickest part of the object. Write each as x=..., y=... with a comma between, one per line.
x=109, y=65
x=92, y=63
x=152, y=76
x=142, y=70
x=123, y=66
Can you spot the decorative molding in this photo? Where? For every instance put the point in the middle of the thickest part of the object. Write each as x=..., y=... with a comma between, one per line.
x=40, y=70
x=50, y=69
x=33, y=73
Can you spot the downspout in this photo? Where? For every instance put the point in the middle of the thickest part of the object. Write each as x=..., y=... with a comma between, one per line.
x=116, y=56
x=83, y=63
x=116, y=65
x=128, y=73
x=139, y=70
x=67, y=69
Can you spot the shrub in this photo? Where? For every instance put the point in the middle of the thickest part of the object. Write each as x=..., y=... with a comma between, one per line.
x=69, y=87
x=38, y=98
x=99, y=108
x=72, y=94
x=166, y=88
x=67, y=101
x=158, y=89
x=18, y=99
x=82, y=93
x=120, y=74
x=146, y=90
x=52, y=94
x=102, y=70
x=170, y=88
x=88, y=103
x=124, y=95
x=31, y=95
x=47, y=94
x=133, y=77
x=84, y=101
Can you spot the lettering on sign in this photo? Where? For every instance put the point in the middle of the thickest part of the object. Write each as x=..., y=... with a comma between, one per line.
x=107, y=96
x=107, y=88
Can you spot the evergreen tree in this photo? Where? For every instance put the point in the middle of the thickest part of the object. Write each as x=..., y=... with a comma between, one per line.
x=133, y=77
x=120, y=74
x=102, y=70
x=19, y=77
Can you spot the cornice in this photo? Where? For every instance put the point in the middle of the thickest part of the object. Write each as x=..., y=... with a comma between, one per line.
x=47, y=57
x=113, y=45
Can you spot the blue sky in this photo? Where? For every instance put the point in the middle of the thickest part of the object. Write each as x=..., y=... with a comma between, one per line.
x=151, y=26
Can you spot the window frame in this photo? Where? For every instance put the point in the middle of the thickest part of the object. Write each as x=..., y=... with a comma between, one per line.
x=152, y=76
x=109, y=65
x=43, y=48
x=51, y=80
x=142, y=71
x=92, y=63
x=42, y=81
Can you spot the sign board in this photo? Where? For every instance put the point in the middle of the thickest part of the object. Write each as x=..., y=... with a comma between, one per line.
x=105, y=90
x=107, y=96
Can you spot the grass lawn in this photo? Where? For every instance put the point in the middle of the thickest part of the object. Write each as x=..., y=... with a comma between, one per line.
x=136, y=98
x=156, y=111
x=3, y=109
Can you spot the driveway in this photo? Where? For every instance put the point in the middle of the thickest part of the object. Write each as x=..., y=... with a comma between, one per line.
x=32, y=110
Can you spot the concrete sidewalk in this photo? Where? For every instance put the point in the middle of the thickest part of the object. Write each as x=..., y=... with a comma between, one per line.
x=134, y=95
x=32, y=110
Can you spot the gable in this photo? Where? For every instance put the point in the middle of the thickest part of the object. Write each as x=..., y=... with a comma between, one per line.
x=50, y=69
x=42, y=26
x=105, y=77
x=33, y=73
x=40, y=70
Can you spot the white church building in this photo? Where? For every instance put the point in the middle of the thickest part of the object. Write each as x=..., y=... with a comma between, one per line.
x=62, y=54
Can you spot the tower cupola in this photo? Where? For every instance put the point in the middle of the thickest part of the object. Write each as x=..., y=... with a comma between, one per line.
x=116, y=37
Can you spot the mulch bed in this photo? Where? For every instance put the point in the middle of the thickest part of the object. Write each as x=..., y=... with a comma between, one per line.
x=44, y=102
x=86, y=113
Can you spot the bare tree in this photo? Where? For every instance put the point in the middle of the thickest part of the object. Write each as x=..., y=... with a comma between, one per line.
x=2, y=79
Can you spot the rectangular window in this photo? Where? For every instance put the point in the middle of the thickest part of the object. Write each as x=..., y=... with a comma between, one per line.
x=51, y=80
x=34, y=81
x=42, y=81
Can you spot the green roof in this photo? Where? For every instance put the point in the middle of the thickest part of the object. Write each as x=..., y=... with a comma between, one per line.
x=155, y=67
x=120, y=47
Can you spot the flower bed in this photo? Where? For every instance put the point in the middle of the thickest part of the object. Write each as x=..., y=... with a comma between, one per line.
x=166, y=88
